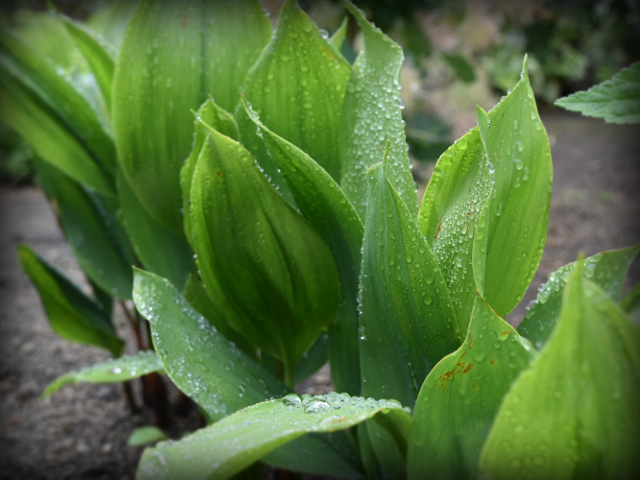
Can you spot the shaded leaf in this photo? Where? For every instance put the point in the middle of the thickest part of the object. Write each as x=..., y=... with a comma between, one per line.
x=297, y=86
x=579, y=399
x=518, y=150
x=272, y=267
x=451, y=206
x=89, y=232
x=461, y=397
x=173, y=56
x=144, y=435
x=607, y=269
x=71, y=313
x=617, y=100
x=313, y=360
x=407, y=322
x=151, y=240
x=631, y=304
x=325, y=206
x=227, y=447
x=337, y=39
x=221, y=379
x=371, y=115
x=116, y=370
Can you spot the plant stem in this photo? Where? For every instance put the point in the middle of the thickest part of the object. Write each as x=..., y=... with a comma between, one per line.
x=288, y=374
x=134, y=325
x=128, y=396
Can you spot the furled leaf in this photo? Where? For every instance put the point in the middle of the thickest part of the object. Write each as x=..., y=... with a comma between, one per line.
x=607, y=269
x=97, y=52
x=325, y=206
x=407, y=322
x=50, y=83
x=219, y=120
x=227, y=447
x=173, y=56
x=116, y=370
x=71, y=313
x=461, y=397
x=43, y=127
x=145, y=435
x=574, y=412
x=337, y=39
x=451, y=205
x=371, y=115
x=89, y=235
x=271, y=265
x=617, y=100
x=297, y=86
x=631, y=304
x=222, y=379
x=159, y=249
x=518, y=150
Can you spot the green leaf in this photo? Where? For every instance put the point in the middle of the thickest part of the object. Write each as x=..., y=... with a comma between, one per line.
x=144, y=435
x=75, y=108
x=159, y=249
x=460, y=65
x=617, y=100
x=631, y=304
x=97, y=52
x=297, y=86
x=88, y=232
x=578, y=401
x=407, y=322
x=313, y=360
x=517, y=220
x=451, y=206
x=325, y=206
x=173, y=56
x=196, y=295
x=222, y=379
x=43, y=127
x=71, y=313
x=371, y=115
x=218, y=119
x=270, y=264
x=227, y=447
x=337, y=39
x=461, y=396
x=116, y=370
x=607, y=269
x=117, y=21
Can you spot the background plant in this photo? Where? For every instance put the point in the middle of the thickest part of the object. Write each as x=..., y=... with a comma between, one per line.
x=274, y=265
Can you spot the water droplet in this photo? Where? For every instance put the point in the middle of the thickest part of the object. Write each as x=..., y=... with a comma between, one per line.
x=518, y=163
x=317, y=406
x=589, y=270
x=515, y=124
x=544, y=296
x=519, y=146
x=292, y=400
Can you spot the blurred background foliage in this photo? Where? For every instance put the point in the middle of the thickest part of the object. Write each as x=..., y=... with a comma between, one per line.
x=458, y=54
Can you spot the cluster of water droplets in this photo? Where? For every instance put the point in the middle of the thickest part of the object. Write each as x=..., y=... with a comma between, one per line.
x=335, y=401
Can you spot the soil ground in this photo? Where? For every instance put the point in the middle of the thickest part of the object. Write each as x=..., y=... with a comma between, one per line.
x=81, y=431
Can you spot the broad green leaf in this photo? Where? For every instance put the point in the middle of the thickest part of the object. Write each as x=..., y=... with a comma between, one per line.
x=407, y=322
x=325, y=206
x=159, y=249
x=222, y=379
x=297, y=86
x=451, y=206
x=102, y=299
x=76, y=109
x=227, y=447
x=97, y=52
x=631, y=304
x=337, y=39
x=90, y=237
x=313, y=360
x=371, y=115
x=173, y=56
x=461, y=397
x=219, y=120
x=518, y=150
x=117, y=21
x=116, y=370
x=47, y=132
x=196, y=295
x=574, y=412
x=71, y=313
x=271, y=265
x=607, y=269
x=145, y=435
x=617, y=100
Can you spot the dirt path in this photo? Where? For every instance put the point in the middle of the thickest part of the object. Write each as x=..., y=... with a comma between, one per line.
x=81, y=431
